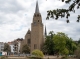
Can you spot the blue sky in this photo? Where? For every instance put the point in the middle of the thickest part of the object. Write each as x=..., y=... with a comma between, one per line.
x=16, y=17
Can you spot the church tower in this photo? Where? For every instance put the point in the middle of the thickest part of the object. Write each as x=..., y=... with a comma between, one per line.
x=37, y=38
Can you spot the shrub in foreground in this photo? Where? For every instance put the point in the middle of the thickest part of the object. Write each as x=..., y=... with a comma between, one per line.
x=37, y=54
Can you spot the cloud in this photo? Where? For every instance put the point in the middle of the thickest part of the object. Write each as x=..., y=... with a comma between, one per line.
x=10, y=6
x=16, y=17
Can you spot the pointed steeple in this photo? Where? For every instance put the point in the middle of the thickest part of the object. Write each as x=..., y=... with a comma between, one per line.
x=37, y=8
x=45, y=32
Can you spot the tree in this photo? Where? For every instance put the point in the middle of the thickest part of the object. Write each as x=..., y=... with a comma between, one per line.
x=63, y=44
x=25, y=49
x=60, y=42
x=71, y=45
x=65, y=12
x=7, y=48
x=48, y=47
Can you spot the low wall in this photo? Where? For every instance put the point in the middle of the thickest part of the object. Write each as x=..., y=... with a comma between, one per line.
x=14, y=57
x=46, y=57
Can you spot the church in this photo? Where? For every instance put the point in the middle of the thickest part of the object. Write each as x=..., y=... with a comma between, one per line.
x=34, y=38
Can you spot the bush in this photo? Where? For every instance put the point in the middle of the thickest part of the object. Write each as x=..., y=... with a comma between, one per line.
x=37, y=54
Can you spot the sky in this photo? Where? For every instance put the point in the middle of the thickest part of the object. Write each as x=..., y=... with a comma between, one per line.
x=16, y=17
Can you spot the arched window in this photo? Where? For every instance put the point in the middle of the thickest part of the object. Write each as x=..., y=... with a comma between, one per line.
x=28, y=41
x=35, y=15
x=38, y=20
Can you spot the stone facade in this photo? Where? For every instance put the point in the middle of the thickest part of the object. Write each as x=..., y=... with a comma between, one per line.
x=34, y=38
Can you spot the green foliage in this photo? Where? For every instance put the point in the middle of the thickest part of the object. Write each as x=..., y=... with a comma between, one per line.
x=65, y=51
x=44, y=49
x=63, y=44
x=60, y=42
x=25, y=49
x=65, y=12
x=71, y=46
x=37, y=53
x=7, y=48
x=48, y=47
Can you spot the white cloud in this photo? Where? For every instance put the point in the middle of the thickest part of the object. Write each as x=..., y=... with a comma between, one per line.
x=16, y=17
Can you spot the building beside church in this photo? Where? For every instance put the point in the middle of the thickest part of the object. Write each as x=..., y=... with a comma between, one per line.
x=34, y=38
x=1, y=46
x=15, y=45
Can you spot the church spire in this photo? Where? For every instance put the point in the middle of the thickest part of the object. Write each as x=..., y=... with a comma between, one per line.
x=37, y=8
x=45, y=31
